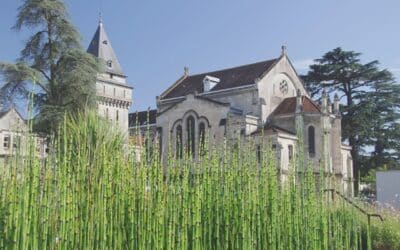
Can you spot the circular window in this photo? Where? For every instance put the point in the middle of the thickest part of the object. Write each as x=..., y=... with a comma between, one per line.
x=283, y=87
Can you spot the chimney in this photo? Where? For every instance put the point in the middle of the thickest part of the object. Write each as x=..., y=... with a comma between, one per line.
x=336, y=108
x=299, y=102
x=209, y=83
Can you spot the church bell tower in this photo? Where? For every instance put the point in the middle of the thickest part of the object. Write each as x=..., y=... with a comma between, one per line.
x=114, y=94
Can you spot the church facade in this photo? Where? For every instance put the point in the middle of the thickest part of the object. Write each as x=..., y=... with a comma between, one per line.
x=264, y=102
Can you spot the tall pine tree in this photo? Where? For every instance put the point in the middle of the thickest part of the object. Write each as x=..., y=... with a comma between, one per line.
x=53, y=59
x=370, y=110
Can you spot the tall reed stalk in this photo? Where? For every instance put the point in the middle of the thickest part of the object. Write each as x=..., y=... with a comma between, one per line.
x=91, y=193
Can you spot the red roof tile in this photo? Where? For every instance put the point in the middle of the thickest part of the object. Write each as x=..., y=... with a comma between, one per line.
x=288, y=106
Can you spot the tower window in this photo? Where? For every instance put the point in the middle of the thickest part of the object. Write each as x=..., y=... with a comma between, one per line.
x=109, y=63
x=311, y=141
x=105, y=42
x=117, y=116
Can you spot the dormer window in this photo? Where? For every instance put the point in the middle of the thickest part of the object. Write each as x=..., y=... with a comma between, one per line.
x=209, y=83
x=109, y=63
x=105, y=42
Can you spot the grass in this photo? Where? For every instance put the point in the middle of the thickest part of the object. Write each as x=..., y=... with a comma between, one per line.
x=91, y=193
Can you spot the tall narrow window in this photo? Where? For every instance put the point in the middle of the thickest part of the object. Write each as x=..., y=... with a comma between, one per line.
x=114, y=92
x=159, y=134
x=258, y=153
x=179, y=148
x=290, y=152
x=202, y=137
x=117, y=116
x=104, y=89
x=6, y=141
x=107, y=114
x=190, y=135
x=311, y=141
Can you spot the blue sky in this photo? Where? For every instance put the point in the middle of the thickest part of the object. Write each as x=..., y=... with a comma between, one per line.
x=154, y=40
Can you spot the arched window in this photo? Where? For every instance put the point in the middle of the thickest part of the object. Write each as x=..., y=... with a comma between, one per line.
x=202, y=137
x=311, y=141
x=179, y=142
x=190, y=129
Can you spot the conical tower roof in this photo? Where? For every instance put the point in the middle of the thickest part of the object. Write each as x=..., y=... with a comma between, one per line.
x=100, y=46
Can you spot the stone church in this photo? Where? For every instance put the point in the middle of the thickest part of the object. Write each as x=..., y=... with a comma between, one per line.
x=263, y=102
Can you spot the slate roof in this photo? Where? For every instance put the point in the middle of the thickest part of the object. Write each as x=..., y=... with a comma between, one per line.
x=288, y=106
x=100, y=47
x=3, y=113
x=6, y=111
x=229, y=78
x=142, y=118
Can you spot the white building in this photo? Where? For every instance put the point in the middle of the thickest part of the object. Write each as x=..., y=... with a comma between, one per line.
x=13, y=128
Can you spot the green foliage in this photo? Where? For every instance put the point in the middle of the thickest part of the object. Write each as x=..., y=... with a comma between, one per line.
x=53, y=60
x=90, y=193
x=370, y=110
x=386, y=235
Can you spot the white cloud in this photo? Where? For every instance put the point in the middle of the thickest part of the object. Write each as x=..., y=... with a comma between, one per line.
x=303, y=65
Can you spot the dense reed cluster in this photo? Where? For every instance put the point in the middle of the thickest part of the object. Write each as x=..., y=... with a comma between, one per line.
x=91, y=193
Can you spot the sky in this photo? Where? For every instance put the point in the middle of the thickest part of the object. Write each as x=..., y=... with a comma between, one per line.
x=155, y=40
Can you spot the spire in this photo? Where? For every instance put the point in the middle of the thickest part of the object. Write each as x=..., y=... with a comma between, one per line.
x=100, y=47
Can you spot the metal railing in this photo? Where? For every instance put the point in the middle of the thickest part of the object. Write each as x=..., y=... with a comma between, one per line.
x=369, y=215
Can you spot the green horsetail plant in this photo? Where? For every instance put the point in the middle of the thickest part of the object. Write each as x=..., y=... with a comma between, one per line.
x=92, y=192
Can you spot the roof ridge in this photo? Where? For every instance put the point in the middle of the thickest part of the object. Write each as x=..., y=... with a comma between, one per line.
x=235, y=67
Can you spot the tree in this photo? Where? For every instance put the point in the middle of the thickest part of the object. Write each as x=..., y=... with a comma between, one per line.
x=53, y=60
x=382, y=106
x=370, y=111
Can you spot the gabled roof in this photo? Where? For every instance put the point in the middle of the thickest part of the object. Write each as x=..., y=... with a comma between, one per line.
x=6, y=111
x=288, y=106
x=142, y=118
x=100, y=47
x=229, y=78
